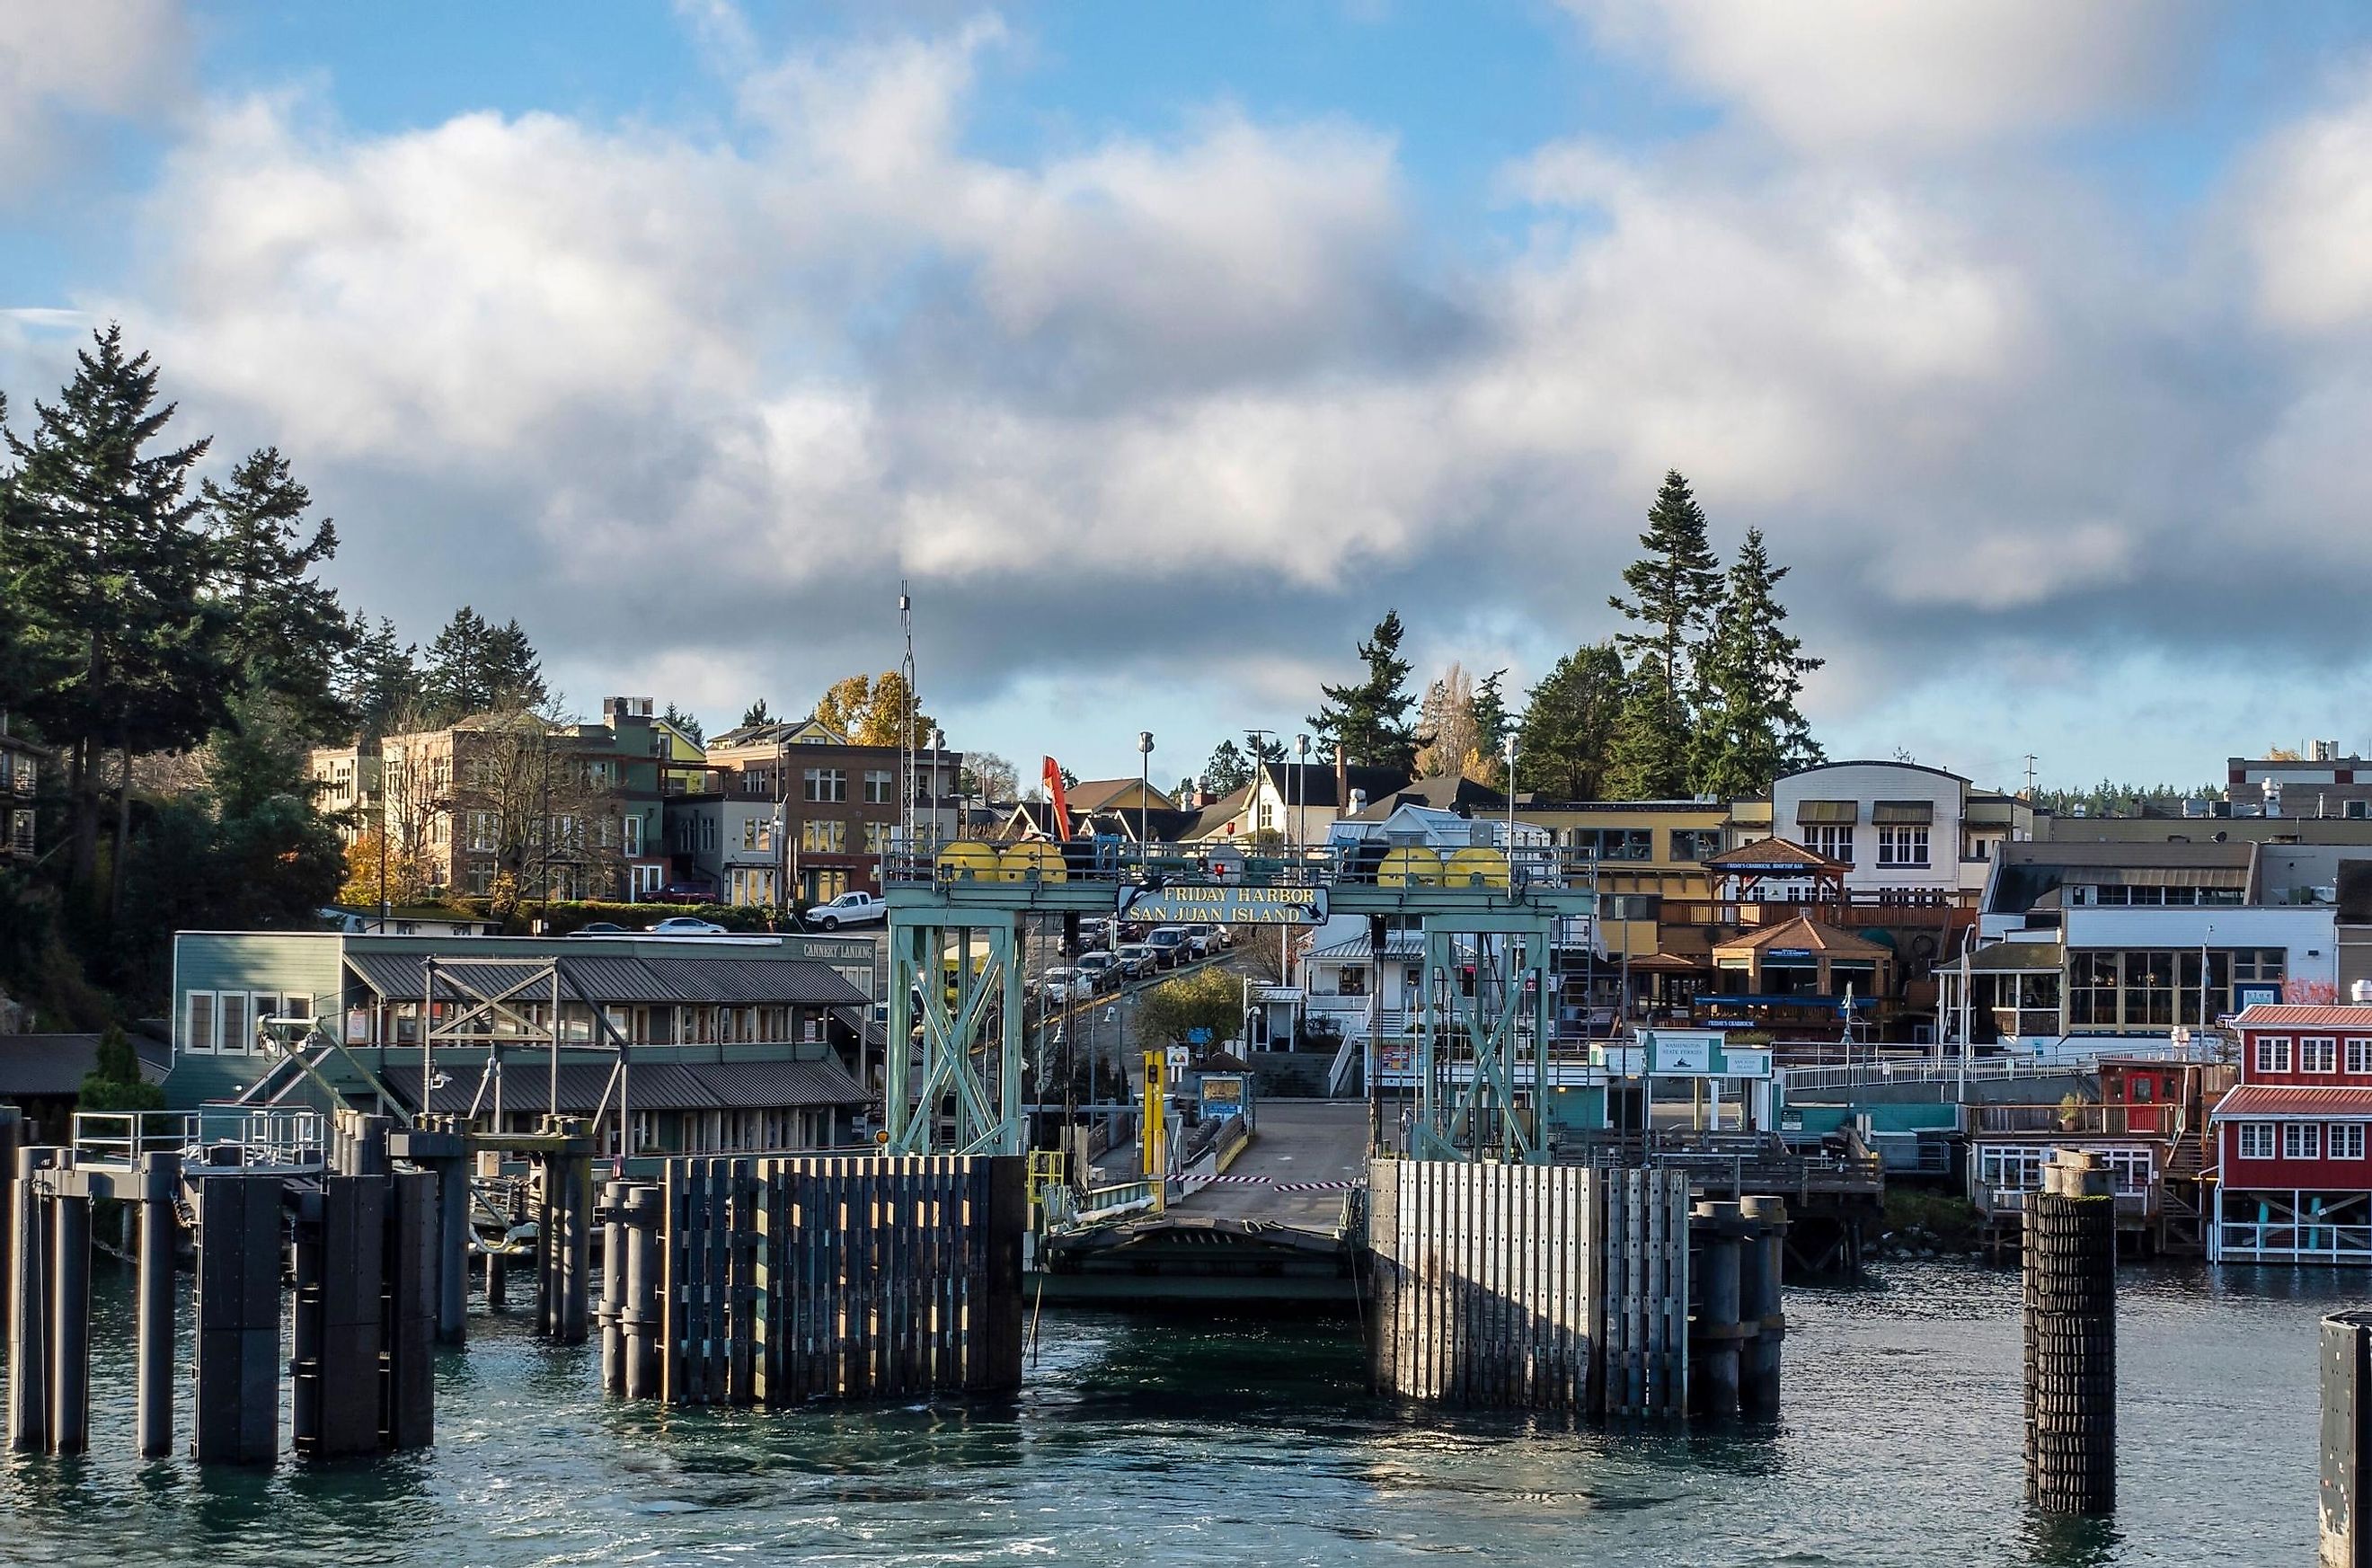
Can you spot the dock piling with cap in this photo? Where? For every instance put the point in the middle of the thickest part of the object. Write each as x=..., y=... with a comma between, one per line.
x=2071, y=1337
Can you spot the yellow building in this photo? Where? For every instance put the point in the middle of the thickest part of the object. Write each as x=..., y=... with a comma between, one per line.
x=1650, y=856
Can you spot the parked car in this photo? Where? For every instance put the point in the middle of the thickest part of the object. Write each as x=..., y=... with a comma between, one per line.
x=685, y=925
x=849, y=909
x=601, y=928
x=1137, y=959
x=1202, y=940
x=685, y=890
x=1102, y=970
x=1066, y=985
x=1171, y=947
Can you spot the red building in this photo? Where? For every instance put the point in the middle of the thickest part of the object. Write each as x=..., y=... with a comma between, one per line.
x=2295, y=1184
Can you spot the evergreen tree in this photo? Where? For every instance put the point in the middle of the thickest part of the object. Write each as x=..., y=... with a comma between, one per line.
x=1229, y=769
x=756, y=712
x=101, y=555
x=1749, y=729
x=684, y=722
x=379, y=678
x=1367, y=722
x=1564, y=743
x=114, y=1081
x=475, y=666
x=1493, y=724
x=1675, y=586
x=286, y=633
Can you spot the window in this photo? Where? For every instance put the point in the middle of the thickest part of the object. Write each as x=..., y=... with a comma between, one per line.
x=234, y=1022
x=1695, y=843
x=2272, y=1053
x=200, y=1033
x=2315, y=1055
x=485, y=829
x=707, y=835
x=2344, y=1141
x=2359, y=1056
x=2092, y=991
x=1351, y=981
x=1614, y=844
x=880, y=785
x=2016, y=1167
x=2301, y=1141
x=2256, y=1140
x=1978, y=849
x=1902, y=846
x=634, y=838
x=823, y=838
x=609, y=831
x=877, y=836
x=827, y=783
x=481, y=877
x=1833, y=840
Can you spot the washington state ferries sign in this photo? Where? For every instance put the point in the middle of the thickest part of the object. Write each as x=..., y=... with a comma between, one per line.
x=1211, y=904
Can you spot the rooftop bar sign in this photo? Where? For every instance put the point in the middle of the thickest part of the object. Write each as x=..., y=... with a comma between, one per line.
x=1212, y=904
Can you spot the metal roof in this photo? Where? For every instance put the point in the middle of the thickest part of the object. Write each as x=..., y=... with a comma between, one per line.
x=651, y=1086
x=740, y=980
x=2294, y=1016
x=742, y=1086
x=2288, y=1099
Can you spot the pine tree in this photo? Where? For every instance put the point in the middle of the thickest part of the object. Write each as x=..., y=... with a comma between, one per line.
x=1367, y=723
x=287, y=632
x=475, y=666
x=756, y=712
x=1229, y=769
x=1675, y=586
x=684, y=722
x=101, y=555
x=379, y=678
x=1493, y=724
x=1564, y=743
x=1750, y=731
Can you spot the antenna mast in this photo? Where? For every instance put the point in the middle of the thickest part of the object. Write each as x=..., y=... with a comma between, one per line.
x=906, y=725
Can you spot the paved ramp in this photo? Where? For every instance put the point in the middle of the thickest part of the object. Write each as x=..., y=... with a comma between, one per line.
x=1293, y=1141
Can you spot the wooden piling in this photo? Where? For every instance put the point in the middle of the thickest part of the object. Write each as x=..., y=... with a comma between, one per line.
x=2071, y=1338
x=160, y=1230
x=2346, y=1527
x=611, y=1317
x=236, y=1370
x=29, y=1340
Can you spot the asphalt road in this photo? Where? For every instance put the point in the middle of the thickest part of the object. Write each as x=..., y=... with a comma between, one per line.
x=1296, y=1140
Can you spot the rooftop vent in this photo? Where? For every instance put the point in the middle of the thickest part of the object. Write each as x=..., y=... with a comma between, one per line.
x=2361, y=994
x=1358, y=801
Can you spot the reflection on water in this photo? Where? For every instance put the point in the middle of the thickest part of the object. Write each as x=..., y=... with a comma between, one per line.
x=1161, y=1442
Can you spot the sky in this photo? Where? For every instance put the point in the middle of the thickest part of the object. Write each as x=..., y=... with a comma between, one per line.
x=1158, y=349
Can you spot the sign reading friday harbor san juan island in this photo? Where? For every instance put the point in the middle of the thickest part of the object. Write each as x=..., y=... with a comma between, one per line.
x=1211, y=904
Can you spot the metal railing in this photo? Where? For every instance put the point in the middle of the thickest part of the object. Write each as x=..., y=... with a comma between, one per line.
x=2294, y=1242
x=1120, y=862
x=211, y=1137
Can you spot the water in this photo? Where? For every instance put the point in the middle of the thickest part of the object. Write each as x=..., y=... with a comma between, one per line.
x=1154, y=1442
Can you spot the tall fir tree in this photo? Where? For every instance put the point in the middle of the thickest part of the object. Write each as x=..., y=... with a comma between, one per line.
x=1749, y=729
x=476, y=666
x=1229, y=769
x=1564, y=744
x=379, y=678
x=1367, y=722
x=1493, y=724
x=684, y=722
x=755, y=714
x=102, y=550
x=286, y=630
x=1675, y=586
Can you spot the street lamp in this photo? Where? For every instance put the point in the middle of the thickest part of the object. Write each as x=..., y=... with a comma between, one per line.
x=1144, y=784
x=1301, y=777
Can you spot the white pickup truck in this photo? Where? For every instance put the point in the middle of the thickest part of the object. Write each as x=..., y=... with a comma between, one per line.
x=849, y=909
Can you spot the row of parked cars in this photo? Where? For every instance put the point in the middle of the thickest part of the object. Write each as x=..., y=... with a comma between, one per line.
x=1105, y=969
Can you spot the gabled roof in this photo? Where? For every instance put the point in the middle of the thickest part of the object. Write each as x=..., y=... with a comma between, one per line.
x=1447, y=793
x=1213, y=819
x=1095, y=794
x=1805, y=931
x=782, y=732
x=1765, y=853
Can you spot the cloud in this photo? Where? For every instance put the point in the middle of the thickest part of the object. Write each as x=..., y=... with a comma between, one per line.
x=65, y=65
x=1180, y=410
x=2309, y=218
x=1885, y=76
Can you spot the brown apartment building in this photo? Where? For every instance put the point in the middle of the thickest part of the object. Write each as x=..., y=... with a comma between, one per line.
x=838, y=804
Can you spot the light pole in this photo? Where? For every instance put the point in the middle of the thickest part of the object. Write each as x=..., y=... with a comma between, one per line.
x=1143, y=785
x=1301, y=785
x=1511, y=821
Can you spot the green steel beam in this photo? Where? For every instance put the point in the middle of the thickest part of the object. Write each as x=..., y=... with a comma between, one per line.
x=967, y=1098
x=1482, y=1118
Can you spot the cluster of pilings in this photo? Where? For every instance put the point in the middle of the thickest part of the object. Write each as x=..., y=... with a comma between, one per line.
x=1736, y=1326
x=377, y=1242
x=632, y=1260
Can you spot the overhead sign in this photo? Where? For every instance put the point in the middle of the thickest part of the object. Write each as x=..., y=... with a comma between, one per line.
x=1211, y=904
x=1680, y=1053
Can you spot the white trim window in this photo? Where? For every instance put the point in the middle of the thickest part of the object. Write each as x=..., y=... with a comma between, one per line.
x=2318, y=1053
x=1833, y=840
x=2272, y=1053
x=485, y=830
x=2256, y=1141
x=1899, y=845
x=2359, y=1056
x=201, y=1027
x=235, y=1028
x=2301, y=1140
x=2344, y=1141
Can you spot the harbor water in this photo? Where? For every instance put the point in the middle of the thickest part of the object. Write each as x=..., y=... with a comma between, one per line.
x=1161, y=1440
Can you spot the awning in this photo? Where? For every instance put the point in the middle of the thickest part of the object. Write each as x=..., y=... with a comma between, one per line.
x=1827, y=812
x=2011, y=958
x=1917, y=812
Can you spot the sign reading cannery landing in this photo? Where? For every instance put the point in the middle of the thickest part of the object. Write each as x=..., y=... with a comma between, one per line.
x=1211, y=904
